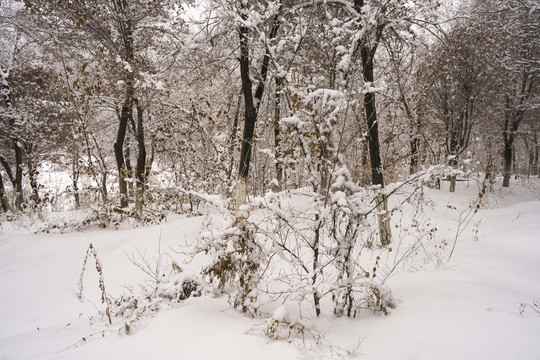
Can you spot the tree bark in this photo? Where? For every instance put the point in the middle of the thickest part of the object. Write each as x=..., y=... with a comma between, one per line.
x=32, y=175
x=535, y=150
x=234, y=131
x=315, y=247
x=452, y=178
x=414, y=143
x=507, y=165
x=75, y=173
x=141, y=156
x=104, y=191
x=129, y=167
x=373, y=126
x=19, y=196
x=365, y=180
x=4, y=203
x=277, y=148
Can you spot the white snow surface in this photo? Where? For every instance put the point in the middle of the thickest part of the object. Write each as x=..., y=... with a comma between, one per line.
x=467, y=308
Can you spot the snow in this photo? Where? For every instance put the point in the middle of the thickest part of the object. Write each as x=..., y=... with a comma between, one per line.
x=467, y=308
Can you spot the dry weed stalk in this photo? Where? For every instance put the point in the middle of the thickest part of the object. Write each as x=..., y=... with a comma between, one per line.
x=91, y=251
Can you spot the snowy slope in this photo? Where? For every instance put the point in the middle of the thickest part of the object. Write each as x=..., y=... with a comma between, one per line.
x=466, y=309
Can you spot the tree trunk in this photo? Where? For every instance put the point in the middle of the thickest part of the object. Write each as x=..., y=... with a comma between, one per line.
x=515, y=167
x=17, y=147
x=535, y=150
x=141, y=156
x=374, y=146
x=75, y=172
x=452, y=178
x=250, y=116
x=4, y=203
x=19, y=196
x=129, y=167
x=365, y=174
x=32, y=175
x=118, y=150
x=277, y=149
x=532, y=151
x=234, y=131
x=149, y=163
x=104, y=192
x=507, y=165
x=315, y=247
x=414, y=143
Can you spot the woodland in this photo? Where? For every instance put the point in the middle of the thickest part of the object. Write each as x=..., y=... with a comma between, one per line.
x=314, y=128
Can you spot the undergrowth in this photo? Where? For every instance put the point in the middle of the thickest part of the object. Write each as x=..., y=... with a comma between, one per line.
x=168, y=285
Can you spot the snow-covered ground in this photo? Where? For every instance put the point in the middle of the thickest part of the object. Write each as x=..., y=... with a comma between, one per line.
x=468, y=308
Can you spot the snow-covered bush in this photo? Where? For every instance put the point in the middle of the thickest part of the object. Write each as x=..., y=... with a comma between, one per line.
x=173, y=287
x=296, y=246
x=283, y=325
x=238, y=260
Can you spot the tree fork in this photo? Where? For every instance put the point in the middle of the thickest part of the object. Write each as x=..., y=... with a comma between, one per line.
x=251, y=105
x=118, y=148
